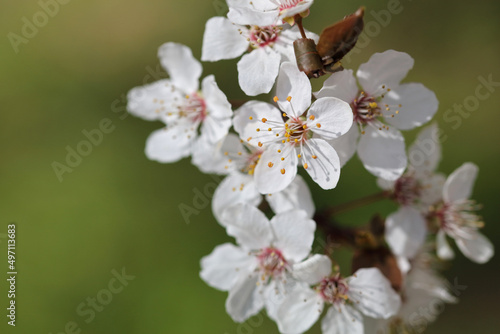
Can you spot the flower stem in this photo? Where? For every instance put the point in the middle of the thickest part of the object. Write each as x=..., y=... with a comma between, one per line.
x=298, y=21
x=342, y=208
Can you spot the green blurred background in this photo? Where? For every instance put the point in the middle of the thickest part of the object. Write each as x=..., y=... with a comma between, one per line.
x=117, y=209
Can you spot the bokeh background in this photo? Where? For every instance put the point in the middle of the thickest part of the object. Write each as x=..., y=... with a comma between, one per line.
x=118, y=210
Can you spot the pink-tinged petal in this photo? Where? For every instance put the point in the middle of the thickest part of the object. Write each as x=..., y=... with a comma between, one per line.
x=183, y=68
x=294, y=233
x=273, y=174
x=250, y=16
x=248, y=122
x=296, y=196
x=248, y=225
x=476, y=247
x=444, y=251
x=405, y=231
x=382, y=152
x=384, y=69
x=346, y=145
x=418, y=106
x=299, y=311
x=341, y=85
x=458, y=186
x=170, y=145
x=323, y=163
x=425, y=152
x=294, y=83
x=245, y=299
x=342, y=319
x=222, y=40
x=300, y=7
x=151, y=102
x=222, y=268
x=313, y=270
x=332, y=117
x=372, y=294
x=257, y=71
x=235, y=189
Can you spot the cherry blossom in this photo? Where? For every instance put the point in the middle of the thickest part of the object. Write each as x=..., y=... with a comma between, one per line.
x=457, y=218
x=178, y=103
x=262, y=262
x=301, y=137
x=367, y=292
x=380, y=110
x=269, y=46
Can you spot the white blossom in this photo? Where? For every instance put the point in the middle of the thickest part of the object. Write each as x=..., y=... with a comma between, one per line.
x=193, y=118
x=256, y=270
x=367, y=292
x=302, y=137
x=380, y=109
x=269, y=46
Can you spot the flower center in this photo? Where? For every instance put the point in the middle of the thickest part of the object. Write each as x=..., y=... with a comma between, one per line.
x=369, y=110
x=296, y=130
x=263, y=36
x=453, y=216
x=193, y=108
x=333, y=290
x=406, y=190
x=271, y=263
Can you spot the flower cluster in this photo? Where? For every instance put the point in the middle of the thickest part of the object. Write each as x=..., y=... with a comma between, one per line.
x=284, y=259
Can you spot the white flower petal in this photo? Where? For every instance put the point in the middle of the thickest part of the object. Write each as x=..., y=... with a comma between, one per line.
x=284, y=43
x=346, y=145
x=342, y=319
x=372, y=293
x=432, y=190
x=387, y=68
x=248, y=225
x=458, y=186
x=299, y=311
x=386, y=184
x=341, y=85
x=245, y=299
x=382, y=152
x=294, y=233
x=405, y=231
x=257, y=71
x=248, y=122
x=250, y=16
x=418, y=105
x=325, y=168
x=170, y=145
x=183, y=68
x=313, y=269
x=234, y=189
x=148, y=101
x=222, y=40
x=300, y=7
x=476, y=247
x=294, y=83
x=296, y=196
x=222, y=268
x=208, y=157
x=425, y=152
x=216, y=124
x=273, y=174
x=332, y=117
x=444, y=251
